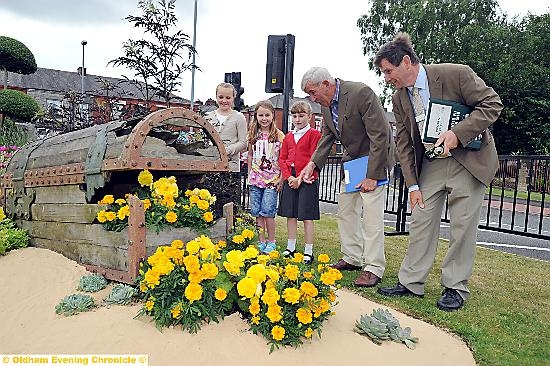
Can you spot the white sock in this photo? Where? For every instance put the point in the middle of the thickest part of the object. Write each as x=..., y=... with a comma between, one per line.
x=308, y=249
x=291, y=245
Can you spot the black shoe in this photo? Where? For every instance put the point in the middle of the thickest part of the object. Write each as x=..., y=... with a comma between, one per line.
x=450, y=300
x=308, y=259
x=287, y=253
x=398, y=290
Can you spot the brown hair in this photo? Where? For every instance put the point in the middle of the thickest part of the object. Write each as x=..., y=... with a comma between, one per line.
x=254, y=130
x=395, y=50
x=301, y=107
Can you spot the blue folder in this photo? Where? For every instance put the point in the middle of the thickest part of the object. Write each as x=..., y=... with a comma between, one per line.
x=355, y=171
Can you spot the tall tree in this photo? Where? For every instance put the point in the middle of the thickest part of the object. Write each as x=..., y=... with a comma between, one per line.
x=161, y=58
x=477, y=33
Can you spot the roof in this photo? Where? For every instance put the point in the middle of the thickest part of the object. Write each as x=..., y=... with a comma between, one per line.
x=62, y=81
x=277, y=101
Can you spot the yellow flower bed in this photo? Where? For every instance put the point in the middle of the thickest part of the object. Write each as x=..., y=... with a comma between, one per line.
x=164, y=205
x=285, y=300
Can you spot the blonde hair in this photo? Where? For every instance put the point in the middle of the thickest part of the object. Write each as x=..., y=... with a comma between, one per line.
x=301, y=107
x=228, y=86
x=254, y=130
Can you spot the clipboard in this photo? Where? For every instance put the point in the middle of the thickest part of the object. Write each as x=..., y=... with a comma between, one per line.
x=355, y=171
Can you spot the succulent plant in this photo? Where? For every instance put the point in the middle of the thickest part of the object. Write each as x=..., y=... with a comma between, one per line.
x=73, y=304
x=92, y=283
x=382, y=325
x=120, y=294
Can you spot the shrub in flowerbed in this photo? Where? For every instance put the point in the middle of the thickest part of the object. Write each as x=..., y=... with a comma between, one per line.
x=164, y=203
x=11, y=237
x=200, y=281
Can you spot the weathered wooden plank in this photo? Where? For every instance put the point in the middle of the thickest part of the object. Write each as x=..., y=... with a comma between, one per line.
x=69, y=157
x=86, y=253
x=92, y=234
x=66, y=212
x=60, y=194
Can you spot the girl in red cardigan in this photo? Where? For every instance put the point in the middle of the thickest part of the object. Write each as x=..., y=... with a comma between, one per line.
x=299, y=200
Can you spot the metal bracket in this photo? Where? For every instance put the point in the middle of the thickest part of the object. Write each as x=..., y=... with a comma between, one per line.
x=94, y=161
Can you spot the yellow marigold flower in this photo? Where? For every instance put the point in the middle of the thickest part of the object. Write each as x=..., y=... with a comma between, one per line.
x=196, y=277
x=196, y=191
x=222, y=244
x=257, y=272
x=171, y=217
x=204, y=194
x=220, y=294
x=203, y=205
x=208, y=216
x=269, y=284
x=254, y=308
x=3, y=215
x=188, y=193
x=192, y=264
x=324, y=305
x=120, y=201
x=110, y=215
x=274, y=254
x=177, y=244
x=145, y=178
x=307, y=275
x=164, y=266
x=123, y=212
x=270, y=296
x=149, y=305
x=255, y=320
x=193, y=292
x=278, y=333
x=146, y=204
x=309, y=289
x=193, y=247
x=193, y=200
x=209, y=271
x=308, y=333
x=238, y=239
x=323, y=258
x=327, y=279
x=332, y=296
x=107, y=200
x=272, y=273
x=235, y=257
x=101, y=217
x=175, y=255
x=304, y=316
x=152, y=277
x=291, y=295
x=232, y=268
x=210, y=254
x=298, y=257
x=143, y=286
x=205, y=241
x=262, y=259
x=168, y=202
x=248, y=234
x=246, y=287
x=274, y=313
x=251, y=252
x=292, y=271
x=176, y=311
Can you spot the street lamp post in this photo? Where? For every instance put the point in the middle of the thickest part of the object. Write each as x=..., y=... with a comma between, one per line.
x=83, y=43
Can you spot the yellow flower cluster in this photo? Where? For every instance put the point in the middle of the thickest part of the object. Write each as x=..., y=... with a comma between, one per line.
x=2, y=214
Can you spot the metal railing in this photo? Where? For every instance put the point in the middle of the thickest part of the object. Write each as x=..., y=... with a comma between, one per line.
x=517, y=201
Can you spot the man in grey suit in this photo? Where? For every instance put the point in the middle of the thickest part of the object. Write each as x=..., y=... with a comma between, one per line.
x=459, y=174
x=352, y=113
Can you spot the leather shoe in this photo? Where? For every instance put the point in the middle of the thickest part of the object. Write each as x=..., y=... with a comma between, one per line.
x=398, y=290
x=342, y=265
x=367, y=279
x=450, y=300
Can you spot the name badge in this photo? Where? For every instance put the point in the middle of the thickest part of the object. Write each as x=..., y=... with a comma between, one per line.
x=420, y=117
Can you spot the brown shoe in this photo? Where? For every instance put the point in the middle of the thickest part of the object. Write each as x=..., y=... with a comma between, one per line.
x=367, y=279
x=342, y=265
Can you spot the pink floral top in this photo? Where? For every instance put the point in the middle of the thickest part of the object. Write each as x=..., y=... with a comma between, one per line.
x=265, y=171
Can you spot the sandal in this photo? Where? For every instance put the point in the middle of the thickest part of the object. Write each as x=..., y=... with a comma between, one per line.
x=308, y=259
x=287, y=253
x=269, y=247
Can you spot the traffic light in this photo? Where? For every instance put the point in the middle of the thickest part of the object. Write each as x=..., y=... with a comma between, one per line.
x=234, y=78
x=275, y=67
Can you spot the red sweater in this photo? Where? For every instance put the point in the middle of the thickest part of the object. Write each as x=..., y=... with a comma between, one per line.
x=298, y=154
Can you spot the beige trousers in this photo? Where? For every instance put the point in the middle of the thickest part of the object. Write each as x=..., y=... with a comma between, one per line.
x=362, y=240
x=441, y=178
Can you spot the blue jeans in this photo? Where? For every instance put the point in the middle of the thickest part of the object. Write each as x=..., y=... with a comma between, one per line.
x=263, y=201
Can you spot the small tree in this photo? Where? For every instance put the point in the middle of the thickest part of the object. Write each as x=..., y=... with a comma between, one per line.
x=15, y=57
x=159, y=60
x=18, y=105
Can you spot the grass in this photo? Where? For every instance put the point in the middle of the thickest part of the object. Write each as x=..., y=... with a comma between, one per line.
x=535, y=196
x=506, y=320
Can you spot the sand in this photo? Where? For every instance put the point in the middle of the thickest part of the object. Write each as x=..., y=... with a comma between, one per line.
x=33, y=281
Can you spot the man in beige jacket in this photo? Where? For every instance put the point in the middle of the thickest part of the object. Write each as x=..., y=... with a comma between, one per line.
x=459, y=174
x=352, y=113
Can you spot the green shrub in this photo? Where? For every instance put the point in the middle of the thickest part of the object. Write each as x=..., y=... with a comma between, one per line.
x=16, y=57
x=75, y=303
x=18, y=105
x=92, y=283
x=12, y=135
x=11, y=237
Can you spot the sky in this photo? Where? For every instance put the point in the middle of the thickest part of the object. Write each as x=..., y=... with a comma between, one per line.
x=231, y=37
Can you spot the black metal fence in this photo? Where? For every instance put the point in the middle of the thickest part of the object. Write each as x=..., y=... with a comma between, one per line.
x=516, y=202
